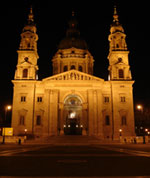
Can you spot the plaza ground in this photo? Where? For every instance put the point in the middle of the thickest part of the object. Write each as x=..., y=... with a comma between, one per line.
x=74, y=156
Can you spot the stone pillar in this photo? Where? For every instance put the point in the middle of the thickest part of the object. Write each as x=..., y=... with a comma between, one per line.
x=46, y=113
x=61, y=119
x=90, y=112
x=95, y=125
x=58, y=67
x=53, y=112
x=77, y=66
x=86, y=64
x=100, y=116
x=84, y=121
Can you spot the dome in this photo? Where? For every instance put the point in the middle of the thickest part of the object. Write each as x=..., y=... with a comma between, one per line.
x=70, y=42
x=72, y=38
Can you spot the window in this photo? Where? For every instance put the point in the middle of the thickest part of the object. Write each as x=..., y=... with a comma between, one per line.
x=72, y=67
x=107, y=120
x=65, y=68
x=106, y=99
x=23, y=98
x=123, y=120
x=38, y=120
x=123, y=99
x=80, y=68
x=21, y=120
x=121, y=73
x=26, y=59
x=39, y=99
x=28, y=45
x=119, y=59
x=25, y=73
x=73, y=101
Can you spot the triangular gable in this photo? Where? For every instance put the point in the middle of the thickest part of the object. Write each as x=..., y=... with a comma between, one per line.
x=120, y=63
x=26, y=62
x=73, y=75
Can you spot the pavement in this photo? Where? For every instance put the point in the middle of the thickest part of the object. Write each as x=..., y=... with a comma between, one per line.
x=74, y=156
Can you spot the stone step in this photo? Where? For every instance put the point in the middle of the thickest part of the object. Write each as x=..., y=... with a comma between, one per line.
x=68, y=139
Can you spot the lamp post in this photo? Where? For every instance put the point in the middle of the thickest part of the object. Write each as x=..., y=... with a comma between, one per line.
x=145, y=133
x=7, y=108
x=120, y=133
x=139, y=107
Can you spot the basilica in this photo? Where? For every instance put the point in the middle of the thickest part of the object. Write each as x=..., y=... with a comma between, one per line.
x=73, y=101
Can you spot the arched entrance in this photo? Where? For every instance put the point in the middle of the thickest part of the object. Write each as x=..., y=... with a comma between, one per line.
x=73, y=115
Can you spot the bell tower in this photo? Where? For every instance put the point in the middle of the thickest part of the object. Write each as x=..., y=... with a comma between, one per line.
x=27, y=53
x=119, y=68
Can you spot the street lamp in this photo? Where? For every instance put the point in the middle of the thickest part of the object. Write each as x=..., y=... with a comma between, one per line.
x=7, y=108
x=120, y=134
x=120, y=131
x=139, y=107
x=145, y=133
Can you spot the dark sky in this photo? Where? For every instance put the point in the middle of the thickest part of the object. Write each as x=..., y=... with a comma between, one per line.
x=94, y=19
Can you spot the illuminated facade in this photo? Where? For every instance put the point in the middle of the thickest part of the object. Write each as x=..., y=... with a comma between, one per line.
x=72, y=100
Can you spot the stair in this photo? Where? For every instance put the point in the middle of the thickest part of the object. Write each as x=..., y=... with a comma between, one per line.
x=67, y=140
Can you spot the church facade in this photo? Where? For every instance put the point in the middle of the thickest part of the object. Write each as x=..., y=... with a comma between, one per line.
x=73, y=101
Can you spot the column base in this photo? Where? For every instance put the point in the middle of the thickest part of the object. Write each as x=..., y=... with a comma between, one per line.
x=61, y=132
x=84, y=132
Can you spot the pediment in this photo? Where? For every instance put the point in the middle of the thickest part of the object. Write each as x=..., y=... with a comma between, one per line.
x=26, y=63
x=73, y=75
x=22, y=111
x=120, y=63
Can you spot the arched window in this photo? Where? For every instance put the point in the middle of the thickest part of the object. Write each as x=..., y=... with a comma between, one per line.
x=80, y=68
x=25, y=73
x=72, y=67
x=121, y=73
x=38, y=120
x=65, y=68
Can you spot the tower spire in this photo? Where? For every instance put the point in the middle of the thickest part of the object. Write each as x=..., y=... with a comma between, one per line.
x=119, y=67
x=115, y=15
x=31, y=16
x=27, y=53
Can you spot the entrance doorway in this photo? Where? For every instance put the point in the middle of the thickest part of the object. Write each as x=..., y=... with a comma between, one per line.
x=73, y=115
x=73, y=128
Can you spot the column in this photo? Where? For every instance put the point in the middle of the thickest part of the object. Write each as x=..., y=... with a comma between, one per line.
x=53, y=112
x=84, y=121
x=46, y=113
x=58, y=63
x=90, y=113
x=95, y=125
x=100, y=116
x=61, y=119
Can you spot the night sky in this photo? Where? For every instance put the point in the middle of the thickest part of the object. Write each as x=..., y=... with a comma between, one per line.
x=94, y=17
